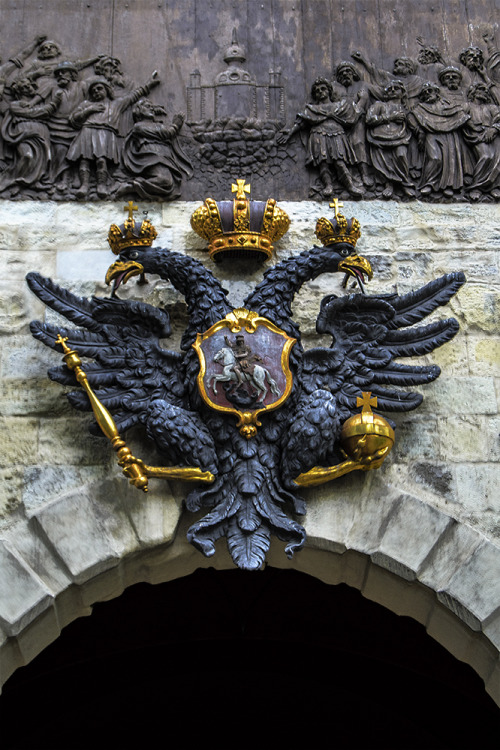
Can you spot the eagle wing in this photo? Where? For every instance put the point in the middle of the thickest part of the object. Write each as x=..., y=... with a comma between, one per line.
x=369, y=334
x=130, y=368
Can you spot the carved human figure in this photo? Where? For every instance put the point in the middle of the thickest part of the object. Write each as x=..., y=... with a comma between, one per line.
x=110, y=68
x=437, y=124
x=16, y=62
x=26, y=135
x=473, y=59
x=492, y=63
x=244, y=357
x=97, y=145
x=404, y=70
x=153, y=160
x=62, y=132
x=482, y=132
x=49, y=56
x=328, y=147
x=389, y=136
x=450, y=79
x=431, y=58
x=356, y=94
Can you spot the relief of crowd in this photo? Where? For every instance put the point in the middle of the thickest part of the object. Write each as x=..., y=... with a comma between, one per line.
x=428, y=129
x=81, y=129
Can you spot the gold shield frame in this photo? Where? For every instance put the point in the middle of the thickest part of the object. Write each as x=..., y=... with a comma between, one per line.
x=237, y=321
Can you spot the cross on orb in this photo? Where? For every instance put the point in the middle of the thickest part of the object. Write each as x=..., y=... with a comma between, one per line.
x=367, y=401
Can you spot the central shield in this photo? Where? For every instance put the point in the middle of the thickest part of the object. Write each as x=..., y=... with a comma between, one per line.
x=244, y=367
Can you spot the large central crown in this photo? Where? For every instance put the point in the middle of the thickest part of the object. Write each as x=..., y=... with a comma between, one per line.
x=240, y=228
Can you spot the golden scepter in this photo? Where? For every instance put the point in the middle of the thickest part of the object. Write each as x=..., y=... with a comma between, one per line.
x=133, y=468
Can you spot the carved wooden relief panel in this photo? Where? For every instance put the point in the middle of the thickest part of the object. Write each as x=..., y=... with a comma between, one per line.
x=164, y=100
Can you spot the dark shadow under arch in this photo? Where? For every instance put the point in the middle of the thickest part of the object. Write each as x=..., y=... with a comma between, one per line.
x=232, y=658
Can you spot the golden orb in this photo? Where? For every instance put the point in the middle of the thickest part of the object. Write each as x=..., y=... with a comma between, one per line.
x=366, y=433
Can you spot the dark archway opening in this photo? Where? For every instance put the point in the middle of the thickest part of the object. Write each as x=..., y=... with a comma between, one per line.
x=230, y=658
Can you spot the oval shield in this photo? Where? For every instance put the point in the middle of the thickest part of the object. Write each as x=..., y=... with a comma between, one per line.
x=244, y=367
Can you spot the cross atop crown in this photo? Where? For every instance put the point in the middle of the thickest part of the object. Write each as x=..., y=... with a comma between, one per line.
x=240, y=189
x=336, y=204
x=130, y=208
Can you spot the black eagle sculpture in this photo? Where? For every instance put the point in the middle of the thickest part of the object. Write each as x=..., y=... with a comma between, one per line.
x=253, y=493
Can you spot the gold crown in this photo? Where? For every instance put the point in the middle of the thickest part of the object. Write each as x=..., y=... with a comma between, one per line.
x=339, y=229
x=240, y=228
x=131, y=233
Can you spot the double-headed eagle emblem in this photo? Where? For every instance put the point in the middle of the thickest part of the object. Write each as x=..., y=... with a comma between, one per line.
x=243, y=410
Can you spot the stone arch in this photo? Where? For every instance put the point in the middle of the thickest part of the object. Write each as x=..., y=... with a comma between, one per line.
x=398, y=550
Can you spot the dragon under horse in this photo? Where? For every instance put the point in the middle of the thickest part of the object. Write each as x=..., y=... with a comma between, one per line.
x=253, y=467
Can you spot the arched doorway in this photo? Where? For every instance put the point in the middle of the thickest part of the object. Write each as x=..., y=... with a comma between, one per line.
x=239, y=658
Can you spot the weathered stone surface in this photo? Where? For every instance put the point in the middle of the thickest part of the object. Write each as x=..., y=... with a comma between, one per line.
x=19, y=440
x=68, y=441
x=485, y=355
x=463, y=438
x=22, y=594
x=103, y=532
x=410, y=533
x=477, y=487
x=475, y=586
x=41, y=484
x=460, y=396
x=455, y=547
x=32, y=397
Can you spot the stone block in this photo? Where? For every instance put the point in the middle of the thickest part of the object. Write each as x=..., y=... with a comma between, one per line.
x=25, y=358
x=17, y=264
x=154, y=516
x=454, y=548
x=409, y=534
x=460, y=395
x=82, y=265
x=477, y=308
x=477, y=487
x=11, y=488
x=32, y=397
x=416, y=437
x=473, y=592
x=67, y=441
x=331, y=509
x=463, y=438
x=89, y=537
x=22, y=594
x=484, y=355
x=19, y=439
x=42, y=484
x=371, y=516
x=25, y=540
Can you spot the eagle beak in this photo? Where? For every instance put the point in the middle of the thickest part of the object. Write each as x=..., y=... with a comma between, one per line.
x=357, y=266
x=121, y=271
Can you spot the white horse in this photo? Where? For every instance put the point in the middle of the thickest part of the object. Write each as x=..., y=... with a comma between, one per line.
x=260, y=375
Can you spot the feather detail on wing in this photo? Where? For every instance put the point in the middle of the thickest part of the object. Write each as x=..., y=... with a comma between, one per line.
x=131, y=369
x=369, y=333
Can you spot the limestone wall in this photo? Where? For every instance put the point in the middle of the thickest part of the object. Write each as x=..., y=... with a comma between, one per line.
x=430, y=517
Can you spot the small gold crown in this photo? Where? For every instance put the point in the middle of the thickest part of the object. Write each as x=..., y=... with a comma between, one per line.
x=131, y=233
x=240, y=228
x=339, y=229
